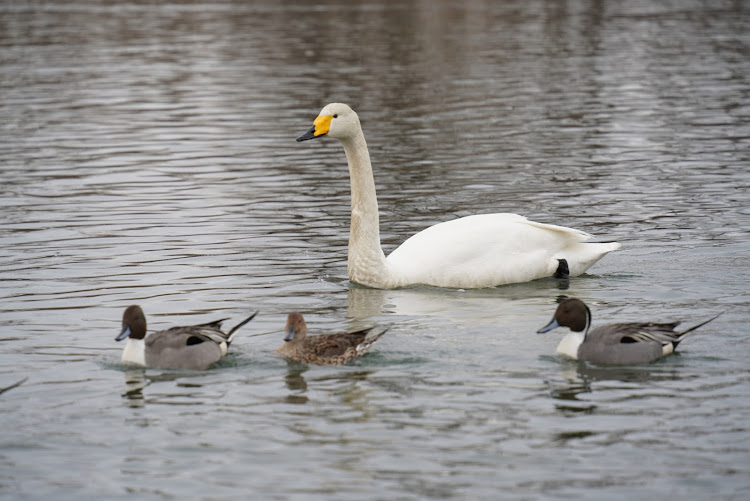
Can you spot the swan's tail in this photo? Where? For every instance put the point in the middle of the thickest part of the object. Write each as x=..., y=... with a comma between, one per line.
x=581, y=256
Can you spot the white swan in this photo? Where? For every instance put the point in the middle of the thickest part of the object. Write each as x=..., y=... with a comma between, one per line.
x=470, y=252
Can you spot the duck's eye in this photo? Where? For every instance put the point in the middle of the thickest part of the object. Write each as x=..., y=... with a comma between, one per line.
x=336, y=115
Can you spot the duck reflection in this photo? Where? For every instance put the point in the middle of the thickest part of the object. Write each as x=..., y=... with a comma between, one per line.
x=296, y=383
x=135, y=382
x=345, y=385
x=138, y=378
x=567, y=390
x=623, y=374
x=294, y=379
x=353, y=389
x=579, y=378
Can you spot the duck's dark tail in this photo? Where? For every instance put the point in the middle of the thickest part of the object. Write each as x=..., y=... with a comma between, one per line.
x=371, y=335
x=682, y=335
x=230, y=335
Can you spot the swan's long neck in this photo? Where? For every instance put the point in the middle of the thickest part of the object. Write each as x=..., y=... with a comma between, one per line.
x=367, y=264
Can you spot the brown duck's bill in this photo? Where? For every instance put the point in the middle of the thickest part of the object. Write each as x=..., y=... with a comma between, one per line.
x=552, y=325
x=291, y=331
x=123, y=334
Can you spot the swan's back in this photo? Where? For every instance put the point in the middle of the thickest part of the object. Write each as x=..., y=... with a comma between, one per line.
x=491, y=249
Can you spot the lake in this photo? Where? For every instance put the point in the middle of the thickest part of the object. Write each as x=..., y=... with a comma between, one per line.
x=148, y=156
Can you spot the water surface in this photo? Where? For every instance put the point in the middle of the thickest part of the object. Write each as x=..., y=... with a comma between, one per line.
x=147, y=156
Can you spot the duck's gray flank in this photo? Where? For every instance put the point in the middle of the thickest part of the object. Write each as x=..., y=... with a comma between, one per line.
x=194, y=347
x=617, y=344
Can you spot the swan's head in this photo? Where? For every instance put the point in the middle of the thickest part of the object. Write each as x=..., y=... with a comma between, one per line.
x=336, y=120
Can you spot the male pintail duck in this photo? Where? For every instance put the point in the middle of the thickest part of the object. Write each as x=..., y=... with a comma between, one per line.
x=193, y=347
x=325, y=349
x=616, y=344
x=475, y=251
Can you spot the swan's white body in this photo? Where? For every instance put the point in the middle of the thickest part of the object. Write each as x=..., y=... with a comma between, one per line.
x=470, y=252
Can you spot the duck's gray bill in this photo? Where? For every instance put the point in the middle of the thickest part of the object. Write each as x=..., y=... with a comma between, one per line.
x=290, y=332
x=552, y=325
x=125, y=333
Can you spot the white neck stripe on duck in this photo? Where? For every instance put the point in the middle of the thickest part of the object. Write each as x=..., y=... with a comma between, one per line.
x=588, y=322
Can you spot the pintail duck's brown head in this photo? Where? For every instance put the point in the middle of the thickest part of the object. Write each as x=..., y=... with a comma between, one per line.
x=133, y=323
x=572, y=313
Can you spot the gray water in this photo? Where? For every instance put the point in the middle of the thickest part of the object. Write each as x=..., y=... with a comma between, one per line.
x=147, y=156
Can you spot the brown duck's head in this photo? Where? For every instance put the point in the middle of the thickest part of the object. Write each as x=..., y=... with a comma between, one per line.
x=572, y=313
x=296, y=328
x=133, y=323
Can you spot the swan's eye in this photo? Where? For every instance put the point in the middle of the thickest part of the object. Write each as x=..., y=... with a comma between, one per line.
x=336, y=115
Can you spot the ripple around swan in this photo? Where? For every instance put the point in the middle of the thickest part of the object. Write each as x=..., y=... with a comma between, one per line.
x=147, y=155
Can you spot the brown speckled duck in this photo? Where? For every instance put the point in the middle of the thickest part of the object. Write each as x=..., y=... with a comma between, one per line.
x=325, y=349
x=194, y=347
x=613, y=344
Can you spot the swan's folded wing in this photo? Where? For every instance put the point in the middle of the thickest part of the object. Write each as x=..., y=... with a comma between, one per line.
x=483, y=251
x=573, y=234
